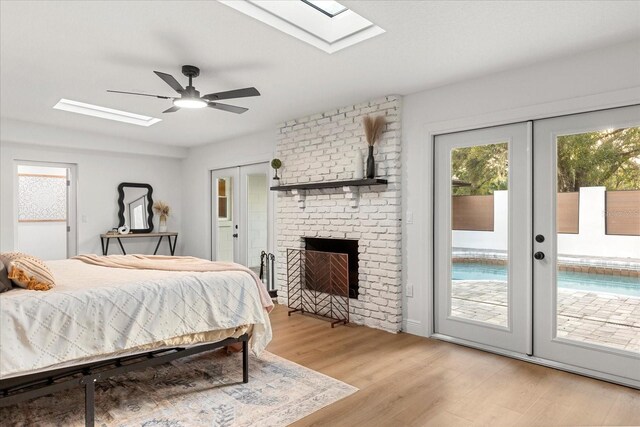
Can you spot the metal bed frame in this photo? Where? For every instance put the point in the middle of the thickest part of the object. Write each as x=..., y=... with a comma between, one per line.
x=26, y=387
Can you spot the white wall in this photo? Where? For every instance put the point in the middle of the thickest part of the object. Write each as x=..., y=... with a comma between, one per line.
x=99, y=173
x=599, y=79
x=196, y=179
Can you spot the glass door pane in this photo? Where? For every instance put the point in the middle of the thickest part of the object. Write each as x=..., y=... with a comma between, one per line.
x=479, y=233
x=598, y=238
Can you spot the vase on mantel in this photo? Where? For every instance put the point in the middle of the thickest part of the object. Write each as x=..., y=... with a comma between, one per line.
x=162, y=227
x=371, y=164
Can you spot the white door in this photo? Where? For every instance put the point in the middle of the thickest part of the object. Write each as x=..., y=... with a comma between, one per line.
x=46, y=209
x=225, y=213
x=482, y=236
x=241, y=212
x=587, y=216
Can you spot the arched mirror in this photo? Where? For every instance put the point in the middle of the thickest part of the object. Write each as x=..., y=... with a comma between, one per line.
x=135, y=207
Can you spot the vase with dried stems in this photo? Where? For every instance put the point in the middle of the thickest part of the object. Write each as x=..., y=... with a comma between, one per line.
x=373, y=128
x=162, y=210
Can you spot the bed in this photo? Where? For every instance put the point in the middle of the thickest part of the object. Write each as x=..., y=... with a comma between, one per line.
x=101, y=321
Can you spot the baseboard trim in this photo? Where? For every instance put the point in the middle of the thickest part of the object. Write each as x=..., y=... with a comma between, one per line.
x=413, y=327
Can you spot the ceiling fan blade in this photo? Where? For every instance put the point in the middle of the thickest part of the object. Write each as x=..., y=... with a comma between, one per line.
x=229, y=108
x=141, y=94
x=171, y=81
x=237, y=93
x=172, y=109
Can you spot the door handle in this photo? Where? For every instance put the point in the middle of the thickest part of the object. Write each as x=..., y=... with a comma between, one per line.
x=539, y=255
x=235, y=235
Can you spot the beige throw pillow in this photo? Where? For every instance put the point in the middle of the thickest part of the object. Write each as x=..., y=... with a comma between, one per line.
x=27, y=271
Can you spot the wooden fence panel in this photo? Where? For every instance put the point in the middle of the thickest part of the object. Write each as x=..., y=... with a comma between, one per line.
x=474, y=213
x=568, y=213
x=623, y=212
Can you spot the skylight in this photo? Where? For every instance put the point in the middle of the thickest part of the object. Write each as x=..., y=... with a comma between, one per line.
x=328, y=7
x=336, y=28
x=105, y=113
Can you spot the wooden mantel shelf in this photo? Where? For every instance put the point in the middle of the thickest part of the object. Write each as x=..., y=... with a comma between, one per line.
x=330, y=184
x=349, y=186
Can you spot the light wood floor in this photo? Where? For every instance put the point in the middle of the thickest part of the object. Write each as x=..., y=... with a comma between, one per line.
x=405, y=380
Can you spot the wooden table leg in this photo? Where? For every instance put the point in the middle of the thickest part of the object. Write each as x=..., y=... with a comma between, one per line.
x=104, y=251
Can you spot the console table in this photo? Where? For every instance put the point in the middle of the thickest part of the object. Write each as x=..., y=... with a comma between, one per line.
x=105, y=238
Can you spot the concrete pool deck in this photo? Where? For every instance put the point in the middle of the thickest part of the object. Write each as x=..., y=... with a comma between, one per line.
x=608, y=319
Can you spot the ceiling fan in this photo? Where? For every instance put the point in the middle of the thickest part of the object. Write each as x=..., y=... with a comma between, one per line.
x=190, y=97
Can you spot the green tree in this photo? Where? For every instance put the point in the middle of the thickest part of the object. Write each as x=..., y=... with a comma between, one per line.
x=484, y=167
x=609, y=158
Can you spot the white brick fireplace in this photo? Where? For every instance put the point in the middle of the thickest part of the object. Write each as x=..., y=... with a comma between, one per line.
x=321, y=148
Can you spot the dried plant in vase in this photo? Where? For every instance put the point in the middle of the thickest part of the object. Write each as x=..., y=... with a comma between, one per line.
x=162, y=210
x=373, y=128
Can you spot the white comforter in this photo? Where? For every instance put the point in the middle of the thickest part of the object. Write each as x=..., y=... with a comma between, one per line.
x=96, y=311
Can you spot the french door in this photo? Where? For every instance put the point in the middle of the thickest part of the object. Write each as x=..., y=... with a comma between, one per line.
x=241, y=206
x=490, y=221
x=583, y=317
x=537, y=241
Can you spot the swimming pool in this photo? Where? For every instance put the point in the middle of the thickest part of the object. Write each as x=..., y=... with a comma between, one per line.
x=566, y=279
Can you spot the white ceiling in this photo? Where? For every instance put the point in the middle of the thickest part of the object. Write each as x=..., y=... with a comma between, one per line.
x=77, y=50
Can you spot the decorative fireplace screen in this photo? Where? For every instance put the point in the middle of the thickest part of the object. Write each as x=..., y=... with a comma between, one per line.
x=318, y=283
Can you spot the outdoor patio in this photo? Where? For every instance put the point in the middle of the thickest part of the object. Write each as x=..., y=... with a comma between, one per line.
x=601, y=318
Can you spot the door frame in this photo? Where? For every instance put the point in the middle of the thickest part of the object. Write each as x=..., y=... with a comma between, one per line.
x=72, y=200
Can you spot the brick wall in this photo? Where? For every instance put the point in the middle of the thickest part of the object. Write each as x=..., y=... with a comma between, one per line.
x=321, y=147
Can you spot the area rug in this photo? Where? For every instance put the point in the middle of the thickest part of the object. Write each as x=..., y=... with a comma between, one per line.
x=201, y=390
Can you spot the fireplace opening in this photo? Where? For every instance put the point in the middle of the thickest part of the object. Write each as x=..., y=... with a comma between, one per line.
x=340, y=246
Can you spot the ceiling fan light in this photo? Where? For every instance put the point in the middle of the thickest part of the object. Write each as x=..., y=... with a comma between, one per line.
x=190, y=103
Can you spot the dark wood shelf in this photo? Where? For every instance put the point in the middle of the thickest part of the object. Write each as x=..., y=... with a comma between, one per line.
x=331, y=184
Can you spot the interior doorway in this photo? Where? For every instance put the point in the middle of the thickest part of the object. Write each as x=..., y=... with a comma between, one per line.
x=45, y=223
x=241, y=214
